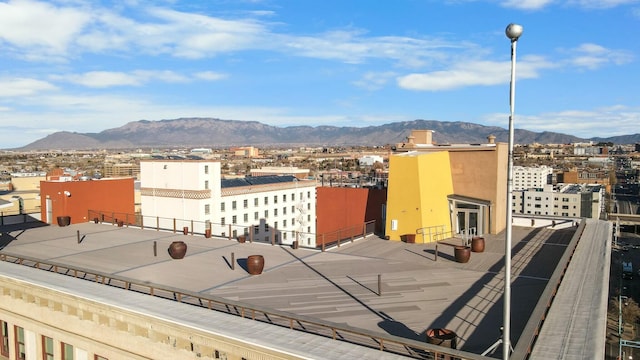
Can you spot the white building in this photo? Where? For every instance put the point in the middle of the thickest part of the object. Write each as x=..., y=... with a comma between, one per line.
x=531, y=177
x=369, y=160
x=570, y=200
x=192, y=194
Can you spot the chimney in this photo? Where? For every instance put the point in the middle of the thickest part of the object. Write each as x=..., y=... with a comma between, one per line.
x=492, y=139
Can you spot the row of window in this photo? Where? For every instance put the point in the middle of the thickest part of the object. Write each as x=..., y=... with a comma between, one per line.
x=66, y=350
x=256, y=201
x=234, y=219
x=256, y=215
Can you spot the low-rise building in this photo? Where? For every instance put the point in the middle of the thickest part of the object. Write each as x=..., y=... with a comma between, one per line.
x=276, y=209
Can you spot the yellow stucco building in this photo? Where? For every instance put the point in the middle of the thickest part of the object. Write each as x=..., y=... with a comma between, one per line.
x=438, y=191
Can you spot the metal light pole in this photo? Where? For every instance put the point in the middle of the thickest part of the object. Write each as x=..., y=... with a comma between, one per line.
x=513, y=32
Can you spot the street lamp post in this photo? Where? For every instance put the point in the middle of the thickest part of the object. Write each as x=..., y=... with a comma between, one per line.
x=513, y=32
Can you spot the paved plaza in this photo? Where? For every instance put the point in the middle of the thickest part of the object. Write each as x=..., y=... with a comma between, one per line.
x=417, y=291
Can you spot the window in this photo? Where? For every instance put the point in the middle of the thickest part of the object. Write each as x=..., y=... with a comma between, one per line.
x=284, y=198
x=266, y=227
x=284, y=211
x=275, y=225
x=256, y=230
x=255, y=216
x=255, y=201
x=293, y=196
x=275, y=212
x=245, y=203
x=284, y=223
x=308, y=206
x=293, y=209
x=266, y=200
x=308, y=194
x=47, y=348
x=222, y=221
x=234, y=219
x=4, y=345
x=206, y=184
x=20, y=347
x=275, y=199
x=233, y=205
x=266, y=214
x=246, y=217
x=222, y=207
x=206, y=209
x=206, y=169
x=67, y=351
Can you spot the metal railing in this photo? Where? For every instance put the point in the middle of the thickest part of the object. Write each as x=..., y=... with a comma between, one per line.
x=338, y=332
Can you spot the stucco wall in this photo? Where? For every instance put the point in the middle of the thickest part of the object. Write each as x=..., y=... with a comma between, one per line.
x=419, y=184
x=106, y=195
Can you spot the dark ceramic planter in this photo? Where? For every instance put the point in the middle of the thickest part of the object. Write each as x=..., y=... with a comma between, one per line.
x=64, y=220
x=477, y=244
x=442, y=337
x=255, y=264
x=242, y=239
x=185, y=230
x=177, y=249
x=207, y=233
x=410, y=238
x=462, y=253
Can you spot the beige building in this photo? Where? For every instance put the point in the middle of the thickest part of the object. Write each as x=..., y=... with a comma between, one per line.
x=478, y=176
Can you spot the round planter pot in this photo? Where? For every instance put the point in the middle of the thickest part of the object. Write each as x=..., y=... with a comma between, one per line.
x=64, y=220
x=462, y=253
x=442, y=337
x=177, y=249
x=477, y=244
x=410, y=238
x=207, y=233
x=255, y=264
x=185, y=230
x=242, y=239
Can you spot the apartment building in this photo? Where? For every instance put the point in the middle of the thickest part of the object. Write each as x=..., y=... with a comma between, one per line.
x=531, y=177
x=566, y=200
x=275, y=209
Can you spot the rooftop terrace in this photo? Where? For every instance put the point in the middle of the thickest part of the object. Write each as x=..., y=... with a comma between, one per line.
x=373, y=284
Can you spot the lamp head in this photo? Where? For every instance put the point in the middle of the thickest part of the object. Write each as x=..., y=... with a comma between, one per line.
x=513, y=31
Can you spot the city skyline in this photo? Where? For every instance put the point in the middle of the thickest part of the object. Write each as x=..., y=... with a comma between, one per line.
x=90, y=66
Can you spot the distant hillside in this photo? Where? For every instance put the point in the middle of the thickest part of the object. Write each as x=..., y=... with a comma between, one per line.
x=215, y=133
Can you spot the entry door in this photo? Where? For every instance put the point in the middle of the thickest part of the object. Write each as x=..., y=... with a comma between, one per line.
x=467, y=222
x=49, y=205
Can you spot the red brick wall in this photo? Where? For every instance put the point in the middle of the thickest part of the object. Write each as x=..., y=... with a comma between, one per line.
x=109, y=195
x=342, y=212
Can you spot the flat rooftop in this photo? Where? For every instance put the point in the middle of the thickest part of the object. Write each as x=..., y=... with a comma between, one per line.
x=418, y=291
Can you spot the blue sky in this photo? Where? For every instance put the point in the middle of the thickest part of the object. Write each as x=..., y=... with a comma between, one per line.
x=88, y=66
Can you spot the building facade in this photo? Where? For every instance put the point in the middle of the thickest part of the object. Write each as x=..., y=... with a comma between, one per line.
x=531, y=177
x=192, y=193
x=78, y=199
x=567, y=200
x=457, y=190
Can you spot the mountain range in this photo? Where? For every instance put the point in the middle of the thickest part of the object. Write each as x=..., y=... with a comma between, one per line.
x=217, y=133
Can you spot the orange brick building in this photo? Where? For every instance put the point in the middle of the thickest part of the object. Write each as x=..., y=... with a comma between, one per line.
x=76, y=198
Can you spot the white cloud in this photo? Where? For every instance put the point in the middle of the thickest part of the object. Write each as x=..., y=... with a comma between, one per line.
x=580, y=123
x=526, y=4
x=593, y=56
x=374, y=80
x=601, y=4
x=473, y=73
x=36, y=30
x=16, y=87
x=105, y=79
x=210, y=75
